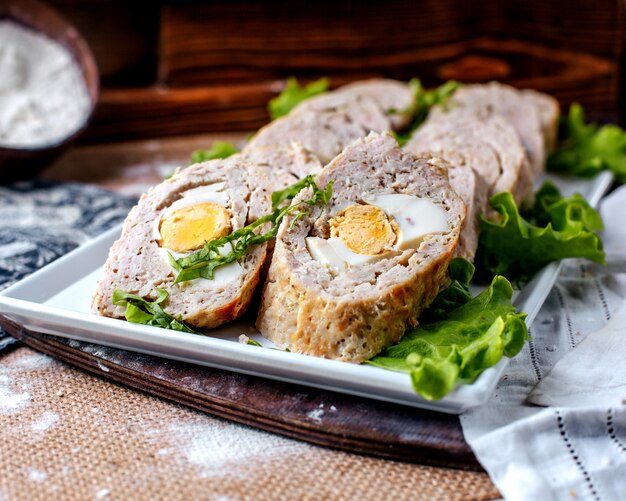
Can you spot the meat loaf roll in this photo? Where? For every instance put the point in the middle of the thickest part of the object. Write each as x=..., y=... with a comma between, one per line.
x=325, y=133
x=359, y=108
x=201, y=203
x=549, y=112
x=488, y=145
x=467, y=183
x=327, y=123
x=346, y=280
x=394, y=98
x=503, y=100
x=473, y=190
x=283, y=165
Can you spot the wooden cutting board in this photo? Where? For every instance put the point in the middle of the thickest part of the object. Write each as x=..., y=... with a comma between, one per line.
x=321, y=417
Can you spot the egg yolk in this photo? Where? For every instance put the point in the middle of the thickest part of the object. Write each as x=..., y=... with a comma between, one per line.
x=364, y=229
x=188, y=228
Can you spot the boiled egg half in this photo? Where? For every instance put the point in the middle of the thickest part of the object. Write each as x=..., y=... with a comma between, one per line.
x=199, y=216
x=362, y=233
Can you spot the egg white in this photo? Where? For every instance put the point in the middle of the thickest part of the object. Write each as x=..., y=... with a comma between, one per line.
x=416, y=218
x=334, y=252
x=203, y=194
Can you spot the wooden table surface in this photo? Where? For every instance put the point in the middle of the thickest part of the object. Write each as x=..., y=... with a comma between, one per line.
x=131, y=167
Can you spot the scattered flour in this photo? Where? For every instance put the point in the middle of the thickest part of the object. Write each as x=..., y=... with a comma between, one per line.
x=317, y=414
x=37, y=476
x=97, y=351
x=43, y=96
x=217, y=447
x=35, y=361
x=10, y=401
x=102, y=367
x=47, y=420
x=103, y=493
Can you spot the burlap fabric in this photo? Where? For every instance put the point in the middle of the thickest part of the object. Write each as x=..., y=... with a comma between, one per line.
x=65, y=434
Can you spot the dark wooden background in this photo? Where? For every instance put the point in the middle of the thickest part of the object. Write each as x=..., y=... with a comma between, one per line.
x=174, y=68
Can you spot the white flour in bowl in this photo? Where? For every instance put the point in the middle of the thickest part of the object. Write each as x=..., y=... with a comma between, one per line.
x=43, y=96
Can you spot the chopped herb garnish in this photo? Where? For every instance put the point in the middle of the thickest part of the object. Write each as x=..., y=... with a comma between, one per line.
x=143, y=311
x=243, y=339
x=292, y=95
x=424, y=100
x=219, y=149
x=204, y=262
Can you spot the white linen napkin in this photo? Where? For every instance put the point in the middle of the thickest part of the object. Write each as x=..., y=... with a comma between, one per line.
x=592, y=374
x=577, y=450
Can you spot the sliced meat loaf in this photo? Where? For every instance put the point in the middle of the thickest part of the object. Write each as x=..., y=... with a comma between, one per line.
x=325, y=133
x=351, y=313
x=327, y=123
x=489, y=145
x=486, y=100
x=473, y=189
x=359, y=108
x=467, y=183
x=549, y=112
x=138, y=264
x=283, y=164
x=394, y=98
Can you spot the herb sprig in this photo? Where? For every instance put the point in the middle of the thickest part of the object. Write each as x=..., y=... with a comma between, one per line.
x=204, y=262
x=424, y=100
x=143, y=311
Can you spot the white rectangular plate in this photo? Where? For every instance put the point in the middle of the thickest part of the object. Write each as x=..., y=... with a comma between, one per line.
x=55, y=300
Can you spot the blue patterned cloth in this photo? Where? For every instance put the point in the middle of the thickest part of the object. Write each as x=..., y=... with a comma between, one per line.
x=42, y=220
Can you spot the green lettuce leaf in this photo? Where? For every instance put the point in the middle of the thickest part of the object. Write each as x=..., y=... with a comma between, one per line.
x=555, y=228
x=459, y=347
x=456, y=294
x=219, y=149
x=292, y=95
x=424, y=100
x=586, y=149
x=143, y=311
x=551, y=207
